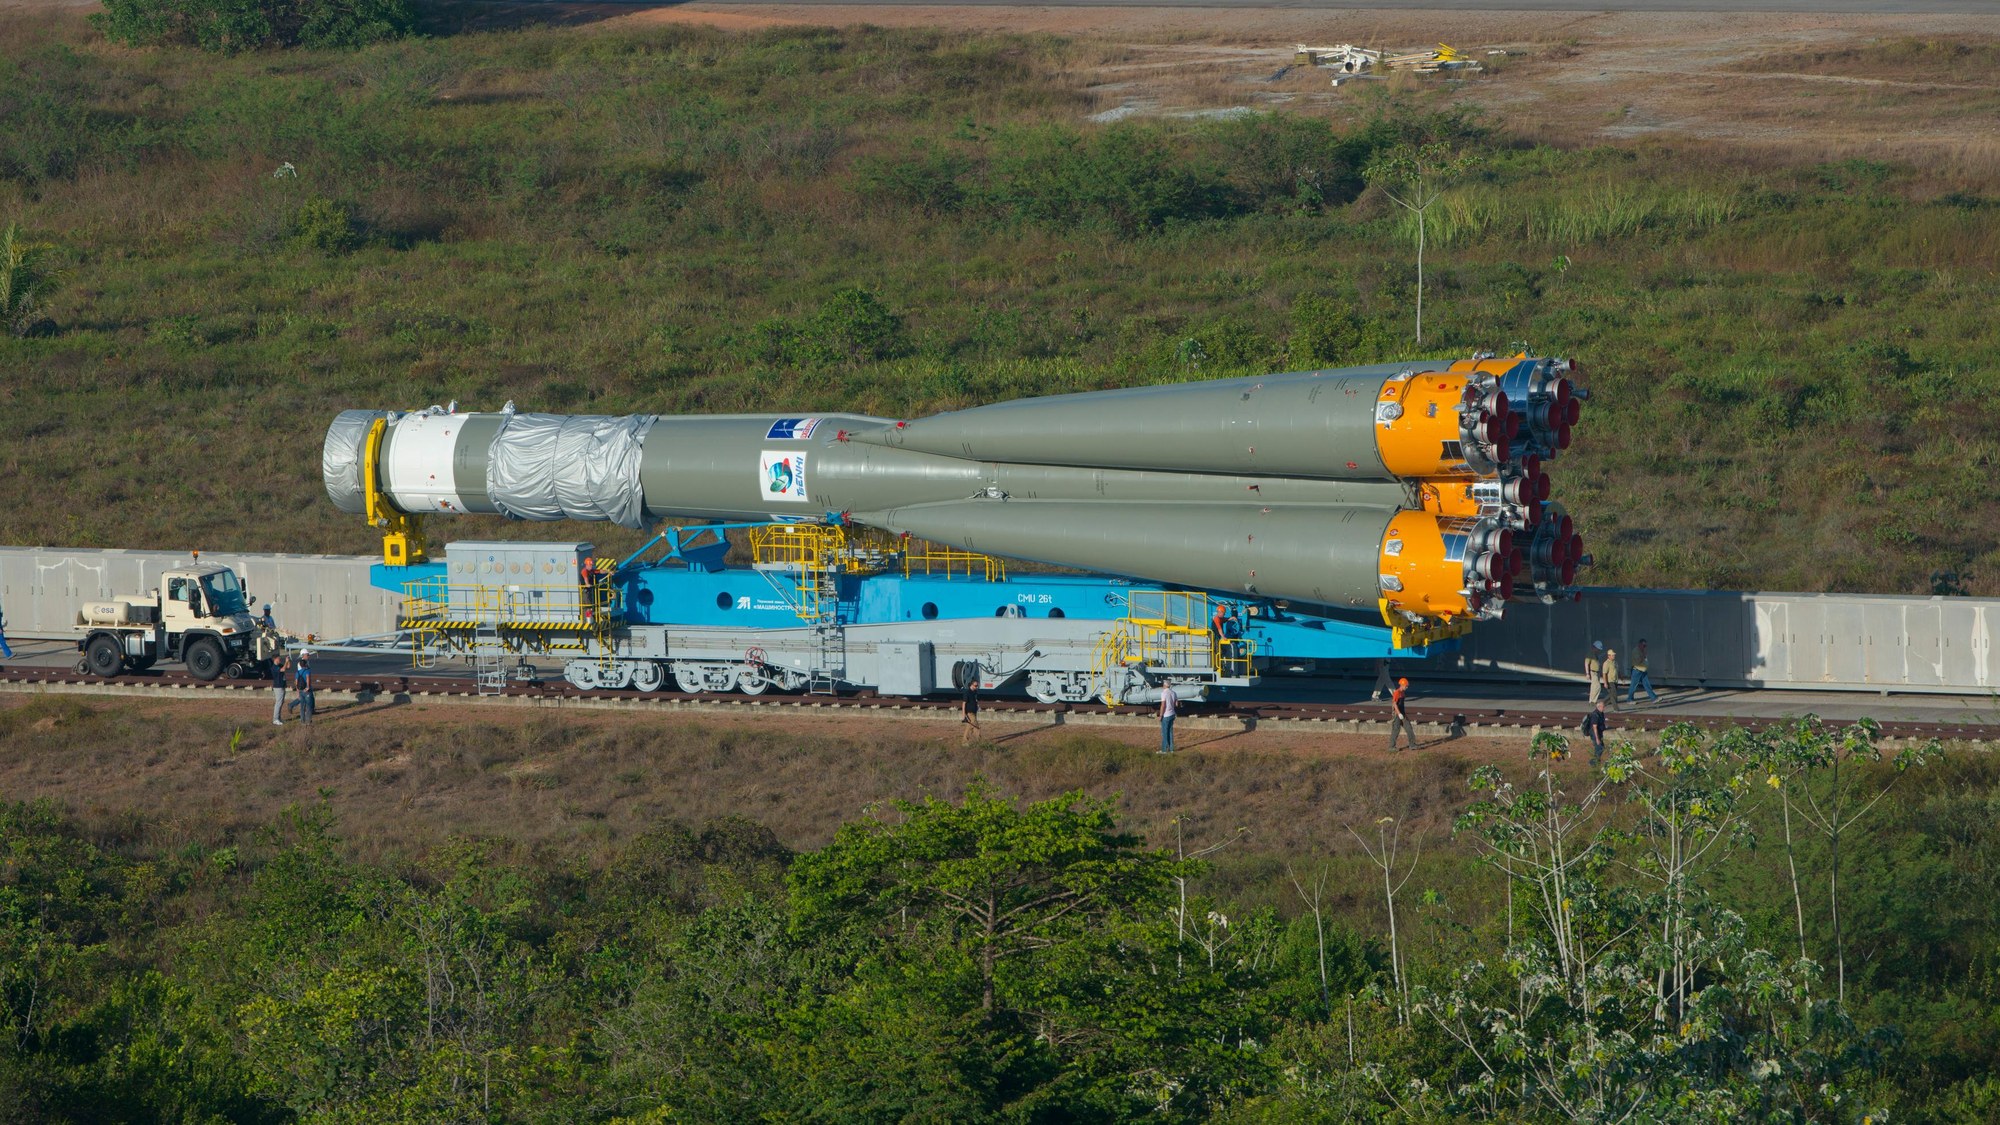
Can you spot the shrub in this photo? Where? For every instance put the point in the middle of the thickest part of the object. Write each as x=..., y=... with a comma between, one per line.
x=323, y=225
x=1324, y=332
x=245, y=25
x=1290, y=162
x=26, y=280
x=852, y=326
x=1126, y=178
x=45, y=120
x=927, y=181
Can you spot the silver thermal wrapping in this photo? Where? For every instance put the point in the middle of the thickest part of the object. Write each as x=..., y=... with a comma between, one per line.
x=597, y=469
x=340, y=458
x=580, y=467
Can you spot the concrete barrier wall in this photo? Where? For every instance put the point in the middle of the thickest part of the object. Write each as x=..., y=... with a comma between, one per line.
x=1698, y=637
x=1716, y=638
x=327, y=596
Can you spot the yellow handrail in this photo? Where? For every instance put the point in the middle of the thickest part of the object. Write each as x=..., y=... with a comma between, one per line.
x=952, y=562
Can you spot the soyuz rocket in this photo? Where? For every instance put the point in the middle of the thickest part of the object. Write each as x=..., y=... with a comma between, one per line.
x=1417, y=490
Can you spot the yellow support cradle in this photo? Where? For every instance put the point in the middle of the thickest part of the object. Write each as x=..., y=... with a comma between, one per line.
x=402, y=534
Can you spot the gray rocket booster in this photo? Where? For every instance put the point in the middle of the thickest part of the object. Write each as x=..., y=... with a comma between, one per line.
x=1416, y=488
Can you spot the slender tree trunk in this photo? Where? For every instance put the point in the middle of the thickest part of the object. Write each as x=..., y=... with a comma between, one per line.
x=1420, y=264
x=1395, y=951
x=1833, y=888
x=1792, y=863
x=987, y=956
x=1319, y=933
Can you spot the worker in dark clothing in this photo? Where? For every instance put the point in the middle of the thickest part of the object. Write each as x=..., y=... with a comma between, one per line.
x=1593, y=726
x=1399, y=715
x=302, y=685
x=968, y=712
x=278, y=673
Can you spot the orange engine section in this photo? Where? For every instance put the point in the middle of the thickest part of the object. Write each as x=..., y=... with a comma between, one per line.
x=1442, y=424
x=1418, y=575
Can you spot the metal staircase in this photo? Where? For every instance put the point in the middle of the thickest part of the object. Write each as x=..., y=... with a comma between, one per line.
x=489, y=653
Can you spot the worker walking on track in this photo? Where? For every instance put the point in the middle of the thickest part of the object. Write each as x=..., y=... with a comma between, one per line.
x=1399, y=714
x=1383, y=684
x=1593, y=726
x=1640, y=678
x=1593, y=670
x=968, y=712
x=276, y=670
x=1611, y=678
x=1169, y=706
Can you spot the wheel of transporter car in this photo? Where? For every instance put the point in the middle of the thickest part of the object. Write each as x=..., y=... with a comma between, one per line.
x=103, y=657
x=615, y=678
x=749, y=681
x=687, y=678
x=648, y=676
x=204, y=659
x=1044, y=689
x=581, y=674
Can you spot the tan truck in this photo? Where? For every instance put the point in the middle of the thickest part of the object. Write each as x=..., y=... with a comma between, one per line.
x=199, y=615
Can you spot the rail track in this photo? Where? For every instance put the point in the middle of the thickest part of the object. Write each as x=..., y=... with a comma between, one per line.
x=1479, y=718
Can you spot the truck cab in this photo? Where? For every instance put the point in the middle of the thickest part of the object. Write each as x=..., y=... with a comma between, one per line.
x=200, y=615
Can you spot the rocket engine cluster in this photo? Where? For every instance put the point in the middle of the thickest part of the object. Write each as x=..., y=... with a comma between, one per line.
x=1419, y=490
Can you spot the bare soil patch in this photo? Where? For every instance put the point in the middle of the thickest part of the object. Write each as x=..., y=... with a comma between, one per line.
x=403, y=778
x=1765, y=82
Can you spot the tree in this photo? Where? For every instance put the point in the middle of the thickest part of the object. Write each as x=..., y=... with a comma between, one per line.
x=1835, y=790
x=1414, y=176
x=26, y=280
x=1037, y=957
x=999, y=881
x=1637, y=1002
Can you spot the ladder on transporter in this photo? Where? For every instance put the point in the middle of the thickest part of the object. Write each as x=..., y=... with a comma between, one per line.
x=830, y=662
x=489, y=660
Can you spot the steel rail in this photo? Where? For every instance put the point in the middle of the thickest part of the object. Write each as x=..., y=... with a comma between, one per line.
x=1466, y=719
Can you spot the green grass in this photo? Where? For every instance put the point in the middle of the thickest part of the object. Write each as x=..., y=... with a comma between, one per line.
x=1791, y=366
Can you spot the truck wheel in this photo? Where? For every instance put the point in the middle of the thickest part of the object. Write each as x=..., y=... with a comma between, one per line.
x=204, y=659
x=104, y=656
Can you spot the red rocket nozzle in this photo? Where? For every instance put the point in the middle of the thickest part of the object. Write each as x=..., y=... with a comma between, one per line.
x=1572, y=410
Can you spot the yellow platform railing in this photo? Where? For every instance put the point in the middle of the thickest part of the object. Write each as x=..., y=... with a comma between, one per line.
x=951, y=562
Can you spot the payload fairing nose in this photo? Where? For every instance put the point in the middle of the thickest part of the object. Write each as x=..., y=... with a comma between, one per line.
x=1416, y=489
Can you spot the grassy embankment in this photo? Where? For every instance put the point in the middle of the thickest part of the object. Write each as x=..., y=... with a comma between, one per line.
x=1792, y=364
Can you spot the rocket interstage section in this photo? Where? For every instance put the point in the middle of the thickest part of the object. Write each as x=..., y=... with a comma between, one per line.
x=1417, y=489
